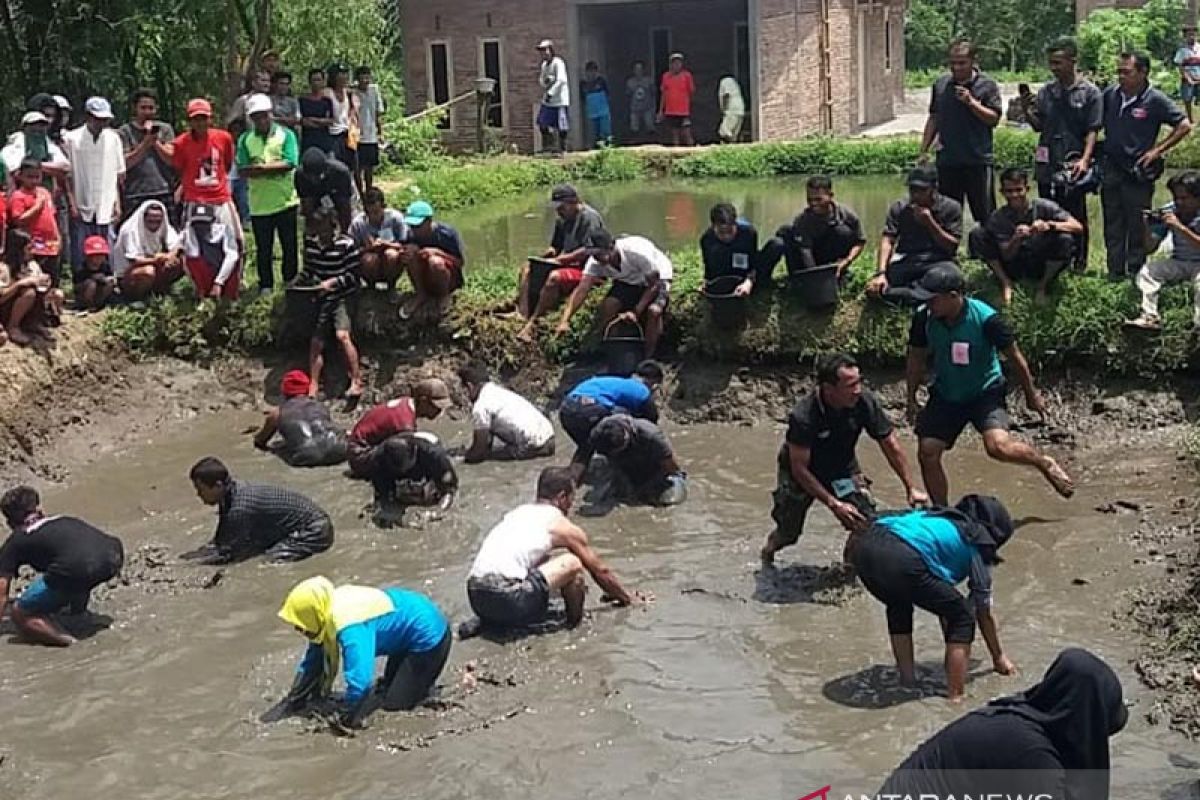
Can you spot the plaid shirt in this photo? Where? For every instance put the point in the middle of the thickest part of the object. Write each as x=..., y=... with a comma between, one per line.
x=254, y=516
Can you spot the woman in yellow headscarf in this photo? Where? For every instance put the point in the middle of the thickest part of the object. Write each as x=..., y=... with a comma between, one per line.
x=352, y=625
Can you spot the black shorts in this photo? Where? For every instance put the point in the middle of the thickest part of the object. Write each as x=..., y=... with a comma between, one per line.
x=629, y=295
x=944, y=420
x=333, y=314
x=676, y=122
x=368, y=155
x=508, y=602
x=896, y=575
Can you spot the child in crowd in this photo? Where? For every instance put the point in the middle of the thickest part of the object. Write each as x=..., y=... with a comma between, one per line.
x=332, y=273
x=211, y=254
x=94, y=281
x=594, y=89
x=31, y=209
x=28, y=303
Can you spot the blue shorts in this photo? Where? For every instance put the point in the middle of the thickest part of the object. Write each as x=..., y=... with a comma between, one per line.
x=553, y=118
x=1189, y=91
x=40, y=598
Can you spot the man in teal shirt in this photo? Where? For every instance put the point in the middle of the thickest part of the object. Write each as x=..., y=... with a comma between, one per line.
x=267, y=155
x=963, y=338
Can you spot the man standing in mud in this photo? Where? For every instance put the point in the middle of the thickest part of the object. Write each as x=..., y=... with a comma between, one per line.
x=817, y=462
x=963, y=338
x=71, y=556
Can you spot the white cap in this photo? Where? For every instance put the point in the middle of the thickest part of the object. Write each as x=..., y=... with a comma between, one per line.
x=257, y=103
x=34, y=118
x=98, y=107
x=545, y=43
x=63, y=102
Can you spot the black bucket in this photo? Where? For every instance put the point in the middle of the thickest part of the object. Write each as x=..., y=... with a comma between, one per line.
x=726, y=309
x=817, y=287
x=539, y=271
x=624, y=347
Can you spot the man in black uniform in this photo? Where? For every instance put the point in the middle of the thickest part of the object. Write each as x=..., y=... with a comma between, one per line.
x=729, y=249
x=827, y=232
x=817, y=461
x=256, y=519
x=324, y=182
x=72, y=556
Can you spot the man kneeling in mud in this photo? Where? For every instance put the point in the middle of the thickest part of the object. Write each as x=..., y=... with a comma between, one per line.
x=72, y=556
x=642, y=460
x=516, y=570
x=412, y=469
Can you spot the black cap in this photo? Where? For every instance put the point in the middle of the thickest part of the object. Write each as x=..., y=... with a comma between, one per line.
x=564, y=193
x=202, y=212
x=922, y=177
x=941, y=278
x=600, y=240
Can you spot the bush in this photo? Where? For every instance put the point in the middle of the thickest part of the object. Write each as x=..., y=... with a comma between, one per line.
x=1152, y=29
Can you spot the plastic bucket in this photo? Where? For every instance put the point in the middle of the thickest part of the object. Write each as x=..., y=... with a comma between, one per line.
x=624, y=346
x=726, y=309
x=539, y=271
x=817, y=287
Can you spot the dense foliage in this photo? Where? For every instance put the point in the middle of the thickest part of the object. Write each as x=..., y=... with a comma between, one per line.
x=1010, y=34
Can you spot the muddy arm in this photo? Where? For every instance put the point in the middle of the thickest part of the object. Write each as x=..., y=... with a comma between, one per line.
x=481, y=444
x=893, y=451
x=267, y=431
x=566, y=534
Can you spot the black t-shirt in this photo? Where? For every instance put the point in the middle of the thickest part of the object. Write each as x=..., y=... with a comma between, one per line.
x=641, y=461
x=571, y=235
x=913, y=239
x=1067, y=116
x=829, y=238
x=1003, y=222
x=316, y=107
x=832, y=435
x=737, y=257
x=966, y=139
x=69, y=552
x=337, y=183
x=1130, y=131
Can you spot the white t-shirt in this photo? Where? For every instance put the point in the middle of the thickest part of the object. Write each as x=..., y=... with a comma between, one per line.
x=370, y=109
x=1186, y=57
x=97, y=162
x=518, y=543
x=510, y=417
x=13, y=153
x=341, y=111
x=729, y=88
x=555, y=86
x=639, y=259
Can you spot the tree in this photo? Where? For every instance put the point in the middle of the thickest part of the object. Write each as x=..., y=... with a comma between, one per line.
x=1010, y=34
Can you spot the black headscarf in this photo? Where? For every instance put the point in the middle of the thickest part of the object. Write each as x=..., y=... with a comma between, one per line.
x=987, y=513
x=1079, y=704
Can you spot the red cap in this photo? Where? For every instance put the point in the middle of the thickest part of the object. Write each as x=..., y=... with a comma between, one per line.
x=295, y=383
x=95, y=246
x=199, y=107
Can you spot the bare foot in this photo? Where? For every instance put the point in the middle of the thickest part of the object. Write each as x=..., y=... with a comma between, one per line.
x=18, y=336
x=1058, y=478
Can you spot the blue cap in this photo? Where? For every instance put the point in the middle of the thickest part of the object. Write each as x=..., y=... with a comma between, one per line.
x=417, y=213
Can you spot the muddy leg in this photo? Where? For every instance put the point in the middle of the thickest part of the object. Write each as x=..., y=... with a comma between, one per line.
x=565, y=574
x=654, y=327
x=957, y=656
x=350, y=352
x=39, y=629
x=1002, y=446
x=933, y=474
x=902, y=649
x=316, y=362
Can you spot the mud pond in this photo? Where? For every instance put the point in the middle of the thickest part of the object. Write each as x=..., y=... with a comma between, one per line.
x=732, y=684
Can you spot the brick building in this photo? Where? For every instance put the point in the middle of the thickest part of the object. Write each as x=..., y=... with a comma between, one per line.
x=805, y=66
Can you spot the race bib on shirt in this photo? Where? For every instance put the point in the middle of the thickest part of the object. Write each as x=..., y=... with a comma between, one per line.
x=1042, y=155
x=960, y=353
x=741, y=261
x=843, y=487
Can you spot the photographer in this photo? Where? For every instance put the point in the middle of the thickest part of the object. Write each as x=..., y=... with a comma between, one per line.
x=1181, y=221
x=148, y=146
x=1068, y=113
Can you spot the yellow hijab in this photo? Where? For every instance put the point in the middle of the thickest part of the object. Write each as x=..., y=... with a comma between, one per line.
x=319, y=609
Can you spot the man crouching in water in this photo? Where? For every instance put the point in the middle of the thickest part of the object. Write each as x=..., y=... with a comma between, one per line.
x=72, y=556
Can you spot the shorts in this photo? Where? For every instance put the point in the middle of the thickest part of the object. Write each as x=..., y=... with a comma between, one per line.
x=40, y=598
x=629, y=295
x=642, y=121
x=449, y=261
x=1188, y=92
x=790, y=505
x=944, y=420
x=368, y=155
x=343, y=153
x=333, y=315
x=553, y=118
x=318, y=451
x=508, y=602
x=203, y=275
x=677, y=122
x=568, y=278
x=896, y=575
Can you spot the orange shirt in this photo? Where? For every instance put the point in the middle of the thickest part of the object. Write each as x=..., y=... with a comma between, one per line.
x=676, y=91
x=203, y=166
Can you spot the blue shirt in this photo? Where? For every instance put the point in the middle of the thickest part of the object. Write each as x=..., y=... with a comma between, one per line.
x=595, y=97
x=948, y=555
x=415, y=626
x=613, y=392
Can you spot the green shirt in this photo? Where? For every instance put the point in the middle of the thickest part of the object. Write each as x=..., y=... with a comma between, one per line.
x=270, y=194
x=965, y=351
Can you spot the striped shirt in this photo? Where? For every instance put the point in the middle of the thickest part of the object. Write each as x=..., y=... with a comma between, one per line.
x=338, y=261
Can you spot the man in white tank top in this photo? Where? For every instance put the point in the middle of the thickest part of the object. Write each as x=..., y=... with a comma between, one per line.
x=498, y=413
x=515, y=571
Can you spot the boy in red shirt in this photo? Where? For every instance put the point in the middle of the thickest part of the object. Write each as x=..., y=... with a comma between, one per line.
x=202, y=159
x=675, y=101
x=31, y=208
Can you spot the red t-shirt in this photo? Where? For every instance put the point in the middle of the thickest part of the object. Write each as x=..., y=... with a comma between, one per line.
x=676, y=91
x=385, y=420
x=44, y=227
x=203, y=166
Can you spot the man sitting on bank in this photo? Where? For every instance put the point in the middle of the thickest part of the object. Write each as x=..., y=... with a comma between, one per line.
x=1180, y=221
x=515, y=571
x=920, y=232
x=818, y=461
x=574, y=222
x=642, y=457
x=1032, y=239
x=497, y=413
x=434, y=257
x=380, y=234
x=827, y=232
x=256, y=519
x=641, y=282
x=597, y=398
x=729, y=249
x=71, y=556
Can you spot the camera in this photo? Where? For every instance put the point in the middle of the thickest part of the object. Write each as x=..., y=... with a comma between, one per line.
x=1157, y=216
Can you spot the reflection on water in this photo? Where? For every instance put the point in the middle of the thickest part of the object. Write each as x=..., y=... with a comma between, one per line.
x=732, y=684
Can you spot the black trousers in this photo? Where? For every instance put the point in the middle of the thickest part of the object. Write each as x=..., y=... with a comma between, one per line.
x=1123, y=199
x=409, y=678
x=1074, y=204
x=578, y=416
x=974, y=184
x=904, y=273
x=265, y=229
x=1036, y=255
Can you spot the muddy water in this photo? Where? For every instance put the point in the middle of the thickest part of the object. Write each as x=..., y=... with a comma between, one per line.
x=731, y=684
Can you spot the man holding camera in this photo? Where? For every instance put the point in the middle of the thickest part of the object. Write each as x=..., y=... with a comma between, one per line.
x=1068, y=113
x=1134, y=113
x=148, y=149
x=1180, y=221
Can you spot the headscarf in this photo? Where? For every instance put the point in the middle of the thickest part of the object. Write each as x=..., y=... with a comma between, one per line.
x=295, y=383
x=134, y=237
x=1079, y=704
x=989, y=514
x=320, y=610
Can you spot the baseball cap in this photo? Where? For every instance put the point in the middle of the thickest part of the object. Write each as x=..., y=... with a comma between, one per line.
x=544, y=44
x=95, y=246
x=922, y=177
x=564, y=193
x=676, y=56
x=257, y=103
x=98, y=107
x=34, y=118
x=417, y=213
x=39, y=101
x=62, y=102
x=940, y=279
x=199, y=107
x=435, y=391
x=203, y=212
